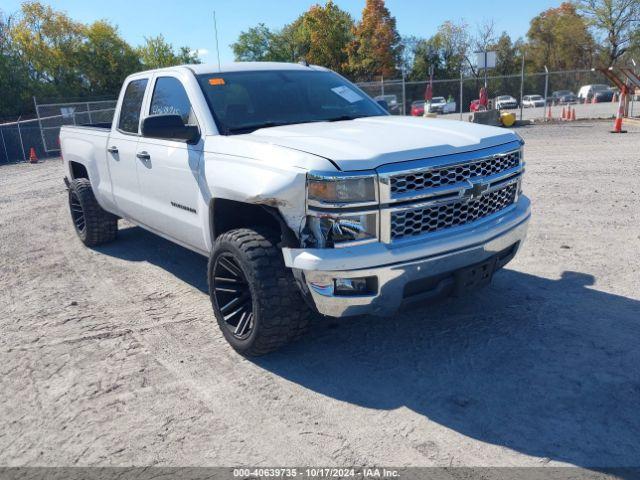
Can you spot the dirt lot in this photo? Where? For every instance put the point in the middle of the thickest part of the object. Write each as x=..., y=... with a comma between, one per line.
x=112, y=357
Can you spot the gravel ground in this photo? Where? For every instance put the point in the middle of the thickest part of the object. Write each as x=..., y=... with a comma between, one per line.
x=112, y=357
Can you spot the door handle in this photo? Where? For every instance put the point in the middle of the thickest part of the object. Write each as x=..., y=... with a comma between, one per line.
x=143, y=155
x=112, y=150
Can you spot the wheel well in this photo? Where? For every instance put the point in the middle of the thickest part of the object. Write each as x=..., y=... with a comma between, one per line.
x=78, y=170
x=228, y=215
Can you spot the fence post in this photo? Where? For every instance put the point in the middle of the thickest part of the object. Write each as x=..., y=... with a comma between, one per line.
x=461, y=94
x=24, y=155
x=404, y=94
x=521, y=85
x=44, y=143
x=89, y=112
x=6, y=154
x=546, y=90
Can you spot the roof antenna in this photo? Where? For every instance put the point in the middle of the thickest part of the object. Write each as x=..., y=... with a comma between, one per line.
x=215, y=26
x=303, y=62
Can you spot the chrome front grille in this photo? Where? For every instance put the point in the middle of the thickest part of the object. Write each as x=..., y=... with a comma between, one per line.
x=407, y=183
x=438, y=216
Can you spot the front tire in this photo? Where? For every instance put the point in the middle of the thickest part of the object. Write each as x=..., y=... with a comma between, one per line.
x=254, y=296
x=93, y=225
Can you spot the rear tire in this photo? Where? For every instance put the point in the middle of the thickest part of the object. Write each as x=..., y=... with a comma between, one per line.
x=254, y=296
x=93, y=225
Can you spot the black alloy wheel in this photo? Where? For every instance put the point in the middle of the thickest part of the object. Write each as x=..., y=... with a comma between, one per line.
x=233, y=296
x=77, y=213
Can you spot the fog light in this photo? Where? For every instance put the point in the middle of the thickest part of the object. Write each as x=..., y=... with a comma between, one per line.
x=354, y=286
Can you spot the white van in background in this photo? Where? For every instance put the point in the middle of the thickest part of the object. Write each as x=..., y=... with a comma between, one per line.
x=586, y=92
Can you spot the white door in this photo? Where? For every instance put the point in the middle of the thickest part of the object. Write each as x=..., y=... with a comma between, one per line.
x=122, y=148
x=168, y=169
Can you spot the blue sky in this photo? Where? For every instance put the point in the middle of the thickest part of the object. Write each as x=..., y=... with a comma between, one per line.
x=190, y=22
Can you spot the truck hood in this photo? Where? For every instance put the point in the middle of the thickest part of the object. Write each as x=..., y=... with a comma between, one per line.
x=368, y=143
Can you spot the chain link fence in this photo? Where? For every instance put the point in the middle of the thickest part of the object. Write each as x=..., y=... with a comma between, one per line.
x=401, y=94
x=41, y=133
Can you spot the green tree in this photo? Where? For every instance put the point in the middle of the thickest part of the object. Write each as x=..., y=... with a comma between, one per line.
x=47, y=42
x=254, y=45
x=426, y=54
x=105, y=59
x=618, y=20
x=14, y=77
x=508, y=54
x=447, y=51
x=325, y=32
x=559, y=38
x=320, y=36
x=187, y=56
x=158, y=53
x=376, y=48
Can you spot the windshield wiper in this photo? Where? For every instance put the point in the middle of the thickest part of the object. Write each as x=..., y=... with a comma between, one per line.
x=251, y=128
x=345, y=117
x=258, y=126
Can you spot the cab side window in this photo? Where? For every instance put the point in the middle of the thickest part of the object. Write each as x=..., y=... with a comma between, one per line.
x=170, y=98
x=129, y=121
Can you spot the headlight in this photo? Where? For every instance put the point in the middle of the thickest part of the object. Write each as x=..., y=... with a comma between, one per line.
x=333, y=230
x=335, y=190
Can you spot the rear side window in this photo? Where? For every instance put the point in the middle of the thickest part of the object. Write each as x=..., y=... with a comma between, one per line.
x=170, y=98
x=131, y=106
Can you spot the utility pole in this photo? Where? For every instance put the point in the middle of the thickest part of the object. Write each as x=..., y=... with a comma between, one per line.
x=460, y=93
x=404, y=92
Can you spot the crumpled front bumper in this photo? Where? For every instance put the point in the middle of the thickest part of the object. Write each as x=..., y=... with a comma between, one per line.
x=432, y=262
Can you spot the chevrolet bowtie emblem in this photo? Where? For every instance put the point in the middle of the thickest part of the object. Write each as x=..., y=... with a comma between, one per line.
x=474, y=191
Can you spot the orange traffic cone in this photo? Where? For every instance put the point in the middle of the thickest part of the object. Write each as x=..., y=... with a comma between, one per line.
x=573, y=114
x=33, y=158
x=564, y=114
x=549, y=116
x=617, y=125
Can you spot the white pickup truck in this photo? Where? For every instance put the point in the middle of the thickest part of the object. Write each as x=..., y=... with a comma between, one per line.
x=305, y=195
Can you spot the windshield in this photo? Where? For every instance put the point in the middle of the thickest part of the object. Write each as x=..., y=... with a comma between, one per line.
x=242, y=102
x=599, y=87
x=438, y=100
x=504, y=97
x=563, y=92
x=535, y=97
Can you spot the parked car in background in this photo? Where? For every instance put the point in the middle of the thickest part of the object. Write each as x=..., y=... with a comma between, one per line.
x=531, y=101
x=392, y=103
x=475, y=106
x=586, y=92
x=441, y=105
x=602, y=96
x=505, y=101
x=563, y=97
x=417, y=108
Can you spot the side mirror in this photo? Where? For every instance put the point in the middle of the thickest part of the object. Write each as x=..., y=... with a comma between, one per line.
x=383, y=104
x=169, y=127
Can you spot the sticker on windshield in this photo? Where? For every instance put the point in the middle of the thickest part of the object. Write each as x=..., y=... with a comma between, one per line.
x=346, y=93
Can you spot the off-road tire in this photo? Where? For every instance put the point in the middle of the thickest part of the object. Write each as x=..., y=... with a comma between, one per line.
x=280, y=314
x=96, y=225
